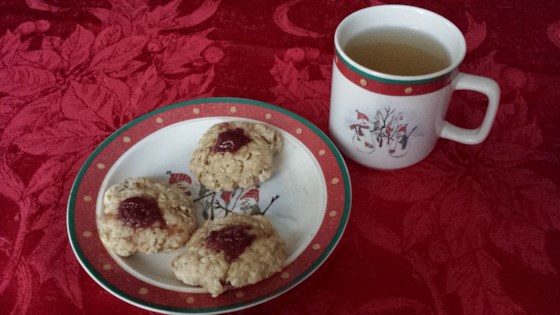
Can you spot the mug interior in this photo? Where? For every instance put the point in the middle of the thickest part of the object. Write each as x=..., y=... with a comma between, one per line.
x=402, y=16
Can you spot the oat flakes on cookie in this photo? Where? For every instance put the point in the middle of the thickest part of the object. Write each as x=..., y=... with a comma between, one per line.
x=145, y=216
x=235, y=250
x=235, y=154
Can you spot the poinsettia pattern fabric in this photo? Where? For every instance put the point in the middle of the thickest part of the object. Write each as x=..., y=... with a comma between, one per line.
x=470, y=230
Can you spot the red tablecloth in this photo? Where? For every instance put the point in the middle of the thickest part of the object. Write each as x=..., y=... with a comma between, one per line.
x=470, y=230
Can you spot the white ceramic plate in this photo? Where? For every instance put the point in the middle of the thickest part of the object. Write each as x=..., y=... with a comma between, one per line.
x=307, y=200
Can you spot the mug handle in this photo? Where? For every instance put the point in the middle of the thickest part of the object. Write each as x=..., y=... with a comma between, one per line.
x=485, y=86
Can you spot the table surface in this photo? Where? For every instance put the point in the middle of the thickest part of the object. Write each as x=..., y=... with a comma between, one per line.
x=469, y=230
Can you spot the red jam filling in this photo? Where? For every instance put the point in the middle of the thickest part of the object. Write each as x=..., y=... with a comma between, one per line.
x=230, y=140
x=139, y=212
x=231, y=240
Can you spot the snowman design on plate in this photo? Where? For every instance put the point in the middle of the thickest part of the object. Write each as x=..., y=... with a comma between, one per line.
x=219, y=204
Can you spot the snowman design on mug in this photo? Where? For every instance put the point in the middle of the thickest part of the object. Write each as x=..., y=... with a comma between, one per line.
x=387, y=130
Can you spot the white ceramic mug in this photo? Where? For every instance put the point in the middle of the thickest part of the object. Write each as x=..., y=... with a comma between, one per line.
x=386, y=121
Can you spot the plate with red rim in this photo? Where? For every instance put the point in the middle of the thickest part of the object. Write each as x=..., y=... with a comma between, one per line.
x=307, y=200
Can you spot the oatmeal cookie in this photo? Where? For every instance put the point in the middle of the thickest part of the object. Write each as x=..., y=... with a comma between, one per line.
x=235, y=154
x=237, y=250
x=145, y=216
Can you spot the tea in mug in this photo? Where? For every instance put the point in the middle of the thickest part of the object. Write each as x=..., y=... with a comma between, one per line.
x=398, y=51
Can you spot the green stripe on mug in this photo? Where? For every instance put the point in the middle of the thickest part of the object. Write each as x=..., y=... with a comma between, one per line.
x=393, y=87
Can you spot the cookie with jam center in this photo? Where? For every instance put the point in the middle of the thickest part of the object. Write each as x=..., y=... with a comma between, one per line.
x=235, y=154
x=142, y=215
x=235, y=250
